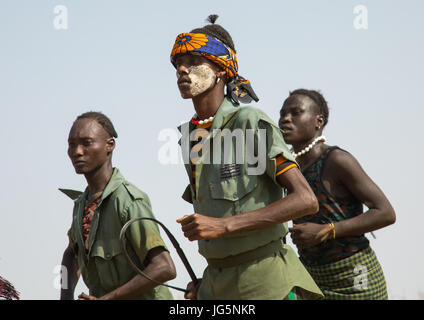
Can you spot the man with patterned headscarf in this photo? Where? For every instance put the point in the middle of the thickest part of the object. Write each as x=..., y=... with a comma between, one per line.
x=240, y=211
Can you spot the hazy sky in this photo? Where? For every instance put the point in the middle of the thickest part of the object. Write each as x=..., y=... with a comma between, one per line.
x=114, y=57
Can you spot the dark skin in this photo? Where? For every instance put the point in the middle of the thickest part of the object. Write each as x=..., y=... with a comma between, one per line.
x=207, y=103
x=300, y=200
x=342, y=176
x=90, y=150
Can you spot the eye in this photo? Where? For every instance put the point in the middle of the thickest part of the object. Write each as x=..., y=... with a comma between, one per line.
x=197, y=62
x=87, y=143
x=297, y=111
x=179, y=62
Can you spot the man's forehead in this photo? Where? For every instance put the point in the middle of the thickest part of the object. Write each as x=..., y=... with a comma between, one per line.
x=87, y=128
x=191, y=56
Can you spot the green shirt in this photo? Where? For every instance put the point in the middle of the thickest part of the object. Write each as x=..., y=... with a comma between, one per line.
x=105, y=268
x=225, y=189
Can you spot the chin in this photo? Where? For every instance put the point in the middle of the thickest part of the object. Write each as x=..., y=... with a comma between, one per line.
x=186, y=95
x=80, y=170
x=287, y=139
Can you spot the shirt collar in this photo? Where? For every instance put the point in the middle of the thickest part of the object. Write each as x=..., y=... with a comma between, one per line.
x=114, y=182
x=224, y=113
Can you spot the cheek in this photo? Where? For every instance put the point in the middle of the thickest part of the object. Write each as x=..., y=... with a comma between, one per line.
x=305, y=125
x=280, y=122
x=202, y=78
x=94, y=152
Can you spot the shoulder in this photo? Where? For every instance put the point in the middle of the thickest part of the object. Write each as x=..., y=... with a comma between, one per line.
x=134, y=192
x=249, y=114
x=131, y=202
x=127, y=194
x=342, y=162
x=340, y=157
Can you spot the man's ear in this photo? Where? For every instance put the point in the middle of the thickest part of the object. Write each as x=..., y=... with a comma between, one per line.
x=110, y=145
x=221, y=74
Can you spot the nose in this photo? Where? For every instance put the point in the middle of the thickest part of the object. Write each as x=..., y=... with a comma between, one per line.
x=181, y=69
x=75, y=151
x=284, y=118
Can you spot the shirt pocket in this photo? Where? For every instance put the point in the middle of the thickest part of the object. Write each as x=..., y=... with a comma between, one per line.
x=233, y=189
x=106, y=249
x=234, y=196
x=109, y=262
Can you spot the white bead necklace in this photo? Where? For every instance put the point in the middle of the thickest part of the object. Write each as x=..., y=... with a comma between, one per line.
x=210, y=119
x=309, y=148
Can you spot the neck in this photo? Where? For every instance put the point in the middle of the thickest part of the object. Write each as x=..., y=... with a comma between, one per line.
x=312, y=154
x=98, y=179
x=303, y=144
x=309, y=150
x=207, y=103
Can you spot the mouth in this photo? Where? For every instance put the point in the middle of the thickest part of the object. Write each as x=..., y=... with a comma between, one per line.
x=183, y=81
x=286, y=129
x=78, y=163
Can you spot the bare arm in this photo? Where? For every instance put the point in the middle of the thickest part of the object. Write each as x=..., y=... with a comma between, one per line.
x=353, y=178
x=72, y=271
x=299, y=201
x=350, y=177
x=159, y=267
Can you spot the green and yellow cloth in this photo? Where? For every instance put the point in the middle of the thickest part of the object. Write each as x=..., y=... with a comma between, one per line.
x=358, y=277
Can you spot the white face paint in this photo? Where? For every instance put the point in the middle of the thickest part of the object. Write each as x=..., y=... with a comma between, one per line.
x=202, y=78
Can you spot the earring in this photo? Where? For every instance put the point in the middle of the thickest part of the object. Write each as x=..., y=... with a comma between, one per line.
x=217, y=79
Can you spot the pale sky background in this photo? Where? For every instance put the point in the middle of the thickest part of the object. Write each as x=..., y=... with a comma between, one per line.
x=114, y=58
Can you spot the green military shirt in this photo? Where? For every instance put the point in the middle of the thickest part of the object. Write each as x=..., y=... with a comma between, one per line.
x=226, y=188
x=105, y=268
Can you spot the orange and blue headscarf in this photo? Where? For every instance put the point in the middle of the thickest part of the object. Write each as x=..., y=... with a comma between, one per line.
x=238, y=88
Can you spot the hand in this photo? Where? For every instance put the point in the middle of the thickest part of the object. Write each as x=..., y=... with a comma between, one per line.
x=192, y=294
x=199, y=227
x=308, y=234
x=84, y=296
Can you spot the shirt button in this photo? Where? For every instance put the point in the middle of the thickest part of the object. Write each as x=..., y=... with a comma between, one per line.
x=108, y=255
x=235, y=196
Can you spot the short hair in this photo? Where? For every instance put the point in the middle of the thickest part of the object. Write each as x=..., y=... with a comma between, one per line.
x=317, y=98
x=216, y=31
x=101, y=119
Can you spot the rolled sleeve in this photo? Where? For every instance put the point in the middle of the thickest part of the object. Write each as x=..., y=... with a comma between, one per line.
x=275, y=147
x=143, y=235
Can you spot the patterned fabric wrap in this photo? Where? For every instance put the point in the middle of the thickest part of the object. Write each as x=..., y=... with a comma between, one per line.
x=239, y=89
x=330, y=210
x=358, y=277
